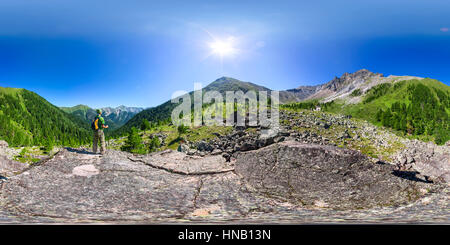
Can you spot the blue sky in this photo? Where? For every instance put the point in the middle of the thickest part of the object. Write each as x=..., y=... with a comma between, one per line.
x=137, y=53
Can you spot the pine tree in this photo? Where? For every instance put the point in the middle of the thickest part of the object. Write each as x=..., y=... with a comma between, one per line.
x=145, y=125
x=154, y=144
x=379, y=115
x=133, y=143
x=49, y=145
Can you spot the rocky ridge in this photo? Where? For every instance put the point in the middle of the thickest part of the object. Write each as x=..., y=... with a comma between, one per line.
x=342, y=87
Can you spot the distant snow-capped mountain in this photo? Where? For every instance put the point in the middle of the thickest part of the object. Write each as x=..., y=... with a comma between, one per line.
x=114, y=117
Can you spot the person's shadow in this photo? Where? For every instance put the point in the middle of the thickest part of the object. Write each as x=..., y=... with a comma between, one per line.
x=410, y=175
x=83, y=151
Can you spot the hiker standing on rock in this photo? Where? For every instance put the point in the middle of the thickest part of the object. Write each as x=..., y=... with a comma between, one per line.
x=98, y=125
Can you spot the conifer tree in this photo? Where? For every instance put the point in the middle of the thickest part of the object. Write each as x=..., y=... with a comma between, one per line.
x=145, y=125
x=134, y=143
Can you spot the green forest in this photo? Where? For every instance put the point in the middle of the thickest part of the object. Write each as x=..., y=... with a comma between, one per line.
x=308, y=105
x=425, y=114
x=28, y=119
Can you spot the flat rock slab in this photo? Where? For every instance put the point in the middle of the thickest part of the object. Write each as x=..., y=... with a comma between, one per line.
x=94, y=188
x=327, y=176
x=178, y=162
x=78, y=187
x=85, y=170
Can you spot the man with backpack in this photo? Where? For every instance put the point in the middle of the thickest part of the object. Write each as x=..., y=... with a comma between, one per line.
x=98, y=125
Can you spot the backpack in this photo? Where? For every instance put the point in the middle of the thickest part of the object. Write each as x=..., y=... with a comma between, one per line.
x=94, y=124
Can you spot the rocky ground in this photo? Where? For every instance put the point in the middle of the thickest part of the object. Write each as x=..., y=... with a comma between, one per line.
x=379, y=144
x=318, y=168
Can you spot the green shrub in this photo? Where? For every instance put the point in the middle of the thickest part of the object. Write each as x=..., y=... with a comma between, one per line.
x=376, y=92
x=182, y=129
x=356, y=92
x=154, y=144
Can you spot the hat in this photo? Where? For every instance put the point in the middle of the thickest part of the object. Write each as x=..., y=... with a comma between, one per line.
x=99, y=111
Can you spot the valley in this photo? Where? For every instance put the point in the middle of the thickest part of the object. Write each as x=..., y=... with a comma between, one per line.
x=362, y=148
x=114, y=117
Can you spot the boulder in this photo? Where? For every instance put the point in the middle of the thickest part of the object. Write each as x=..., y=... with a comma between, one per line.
x=216, y=152
x=3, y=144
x=427, y=158
x=183, y=148
x=204, y=146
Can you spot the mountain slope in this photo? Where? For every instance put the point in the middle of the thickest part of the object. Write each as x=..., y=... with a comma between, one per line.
x=351, y=85
x=230, y=84
x=414, y=107
x=28, y=119
x=223, y=84
x=298, y=94
x=82, y=111
x=114, y=117
x=163, y=111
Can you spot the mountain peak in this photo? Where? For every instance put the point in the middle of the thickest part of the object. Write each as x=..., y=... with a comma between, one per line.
x=9, y=90
x=231, y=84
x=365, y=72
x=347, y=78
x=225, y=80
x=360, y=74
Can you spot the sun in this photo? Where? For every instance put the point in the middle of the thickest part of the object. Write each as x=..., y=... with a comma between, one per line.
x=223, y=47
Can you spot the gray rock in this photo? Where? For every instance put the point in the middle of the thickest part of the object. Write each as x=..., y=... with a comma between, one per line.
x=409, y=159
x=3, y=144
x=183, y=148
x=10, y=167
x=170, y=186
x=191, y=152
x=226, y=156
x=401, y=159
x=306, y=173
x=216, y=152
x=428, y=159
x=345, y=135
x=204, y=146
x=246, y=147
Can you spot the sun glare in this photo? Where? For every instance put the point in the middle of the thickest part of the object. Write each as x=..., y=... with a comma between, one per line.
x=223, y=47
